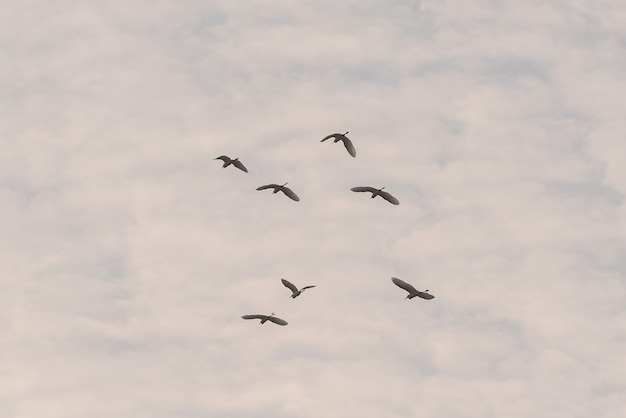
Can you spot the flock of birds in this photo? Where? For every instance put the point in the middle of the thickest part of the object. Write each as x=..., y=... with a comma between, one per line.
x=295, y=292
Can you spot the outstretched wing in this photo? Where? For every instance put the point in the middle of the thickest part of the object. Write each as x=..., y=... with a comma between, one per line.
x=277, y=320
x=223, y=158
x=404, y=285
x=348, y=144
x=364, y=189
x=290, y=193
x=255, y=316
x=307, y=287
x=388, y=197
x=290, y=285
x=239, y=165
x=268, y=186
x=329, y=136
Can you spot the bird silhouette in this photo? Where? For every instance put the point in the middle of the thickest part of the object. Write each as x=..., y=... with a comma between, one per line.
x=412, y=291
x=346, y=142
x=235, y=162
x=377, y=192
x=294, y=290
x=265, y=318
x=281, y=188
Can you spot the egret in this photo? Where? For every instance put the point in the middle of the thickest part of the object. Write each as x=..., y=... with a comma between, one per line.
x=281, y=188
x=235, y=162
x=377, y=192
x=346, y=142
x=294, y=290
x=412, y=291
x=265, y=318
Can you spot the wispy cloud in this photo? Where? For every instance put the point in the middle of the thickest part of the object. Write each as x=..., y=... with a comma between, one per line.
x=129, y=254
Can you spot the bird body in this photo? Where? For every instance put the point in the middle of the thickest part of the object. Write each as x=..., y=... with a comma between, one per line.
x=228, y=161
x=265, y=318
x=346, y=142
x=281, y=188
x=413, y=292
x=295, y=292
x=377, y=192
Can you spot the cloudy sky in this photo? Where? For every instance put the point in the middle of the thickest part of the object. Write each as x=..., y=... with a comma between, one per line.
x=129, y=255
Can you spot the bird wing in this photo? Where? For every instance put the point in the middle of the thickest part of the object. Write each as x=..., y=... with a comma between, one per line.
x=307, y=287
x=240, y=165
x=364, y=189
x=223, y=158
x=388, y=197
x=277, y=320
x=290, y=285
x=329, y=136
x=348, y=144
x=425, y=295
x=254, y=316
x=290, y=193
x=404, y=285
x=268, y=186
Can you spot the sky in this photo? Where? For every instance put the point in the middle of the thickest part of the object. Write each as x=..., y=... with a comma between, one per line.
x=128, y=254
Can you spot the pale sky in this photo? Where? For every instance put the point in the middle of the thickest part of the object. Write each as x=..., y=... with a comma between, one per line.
x=129, y=255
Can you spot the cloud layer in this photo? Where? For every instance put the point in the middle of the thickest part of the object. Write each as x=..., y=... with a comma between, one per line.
x=129, y=255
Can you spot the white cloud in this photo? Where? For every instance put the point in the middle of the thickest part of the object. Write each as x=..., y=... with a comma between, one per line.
x=129, y=254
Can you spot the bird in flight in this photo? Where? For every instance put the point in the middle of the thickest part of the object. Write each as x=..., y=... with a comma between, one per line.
x=377, y=192
x=265, y=318
x=235, y=162
x=294, y=290
x=412, y=291
x=346, y=142
x=281, y=188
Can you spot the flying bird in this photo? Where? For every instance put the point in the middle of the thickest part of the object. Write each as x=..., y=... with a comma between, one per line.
x=377, y=192
x=235, y=162
x=294, y=290
x=346, y=142
x=265, y=318
x=412, y=291
x=278, y=188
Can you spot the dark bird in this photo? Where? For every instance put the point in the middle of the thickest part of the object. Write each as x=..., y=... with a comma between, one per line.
x=235, y=162
x=294, y=290
x=346, y=142
x=412, y=291
x=377, y=192
x=265, y=318
x=278, y=188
